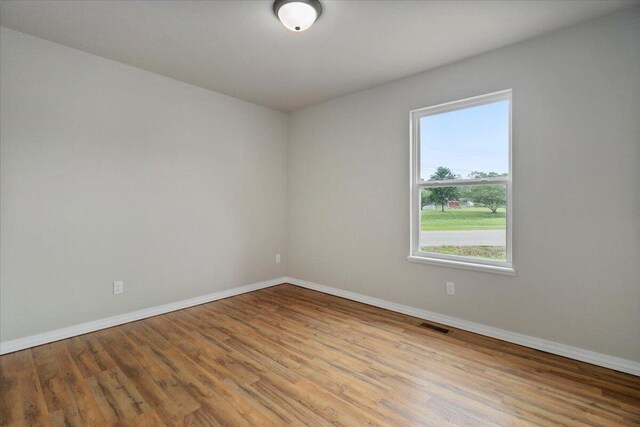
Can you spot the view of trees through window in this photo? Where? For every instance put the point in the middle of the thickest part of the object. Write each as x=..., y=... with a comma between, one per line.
x=466, y=220
x=467, y=147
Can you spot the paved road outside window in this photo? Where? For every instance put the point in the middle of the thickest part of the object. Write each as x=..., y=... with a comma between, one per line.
x=464, y=238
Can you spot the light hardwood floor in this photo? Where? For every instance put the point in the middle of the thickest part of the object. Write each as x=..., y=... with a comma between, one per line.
x=287, y=355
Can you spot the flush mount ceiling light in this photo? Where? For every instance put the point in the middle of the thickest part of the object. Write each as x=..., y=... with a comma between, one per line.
x=297, y=15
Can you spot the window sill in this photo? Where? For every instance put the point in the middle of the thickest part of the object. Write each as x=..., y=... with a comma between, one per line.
x=508, y=271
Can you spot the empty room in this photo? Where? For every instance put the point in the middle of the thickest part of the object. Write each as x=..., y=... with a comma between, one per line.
x=320, y=212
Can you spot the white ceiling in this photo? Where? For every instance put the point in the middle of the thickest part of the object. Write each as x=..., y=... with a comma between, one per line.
x=239, y=48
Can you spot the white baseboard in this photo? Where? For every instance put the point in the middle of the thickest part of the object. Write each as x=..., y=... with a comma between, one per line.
x=622, y=365
x=72, y=331
x=619, y=364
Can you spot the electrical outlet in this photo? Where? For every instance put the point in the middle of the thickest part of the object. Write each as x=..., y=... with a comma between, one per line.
x=451, y=289
x=118, y=287
x=277, y=258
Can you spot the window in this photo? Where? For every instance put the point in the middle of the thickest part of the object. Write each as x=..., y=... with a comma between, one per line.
x=461, y=184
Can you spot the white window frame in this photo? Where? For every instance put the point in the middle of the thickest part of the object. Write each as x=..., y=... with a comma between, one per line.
x=457, y=261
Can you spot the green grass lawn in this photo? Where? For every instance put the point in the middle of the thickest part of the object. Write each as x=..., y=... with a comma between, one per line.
x=489, y=252
x=463, y=219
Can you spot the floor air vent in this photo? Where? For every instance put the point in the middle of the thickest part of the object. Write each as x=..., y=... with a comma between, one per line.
x=435, y=328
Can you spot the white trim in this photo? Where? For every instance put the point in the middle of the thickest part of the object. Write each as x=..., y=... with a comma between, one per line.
x=458, y=260
x=83, y=328
x=469, y=263
x=622, y=365
x=460, y=182
x=465, y=103
x=429, y=258
x=612, y=362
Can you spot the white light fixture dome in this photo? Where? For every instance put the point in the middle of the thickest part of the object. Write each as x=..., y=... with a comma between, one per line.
x=297, y=15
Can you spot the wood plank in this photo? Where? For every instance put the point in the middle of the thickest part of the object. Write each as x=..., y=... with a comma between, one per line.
x=290, y=356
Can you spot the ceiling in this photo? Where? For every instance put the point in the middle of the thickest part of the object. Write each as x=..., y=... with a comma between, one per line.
x=239, y=48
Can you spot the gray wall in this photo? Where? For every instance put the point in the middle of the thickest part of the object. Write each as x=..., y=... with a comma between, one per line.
x=576, y=104
x=110, y=172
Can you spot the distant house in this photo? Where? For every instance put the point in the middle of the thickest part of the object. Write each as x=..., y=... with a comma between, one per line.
x=453, y=204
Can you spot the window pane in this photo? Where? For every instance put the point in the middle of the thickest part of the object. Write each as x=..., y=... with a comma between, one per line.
x=468, y=143
x=467, y=220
